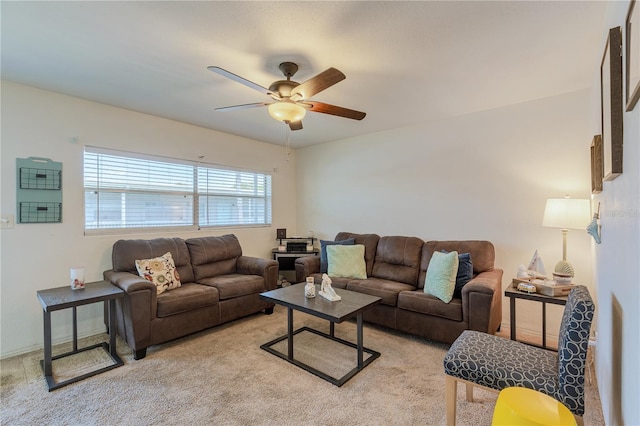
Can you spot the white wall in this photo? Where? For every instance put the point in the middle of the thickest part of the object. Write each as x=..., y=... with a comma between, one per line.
x=617, y=264
x=38, y=256
x=480, y=176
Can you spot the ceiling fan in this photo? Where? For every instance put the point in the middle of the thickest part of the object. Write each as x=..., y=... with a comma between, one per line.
x=290, y=98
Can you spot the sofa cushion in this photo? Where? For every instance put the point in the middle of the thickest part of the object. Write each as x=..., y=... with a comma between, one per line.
x=398, y=259
x=186, y=298
x=385, y=289
x=323, y=251
x=370, y=243
x=422, y=303
x=213, y=256
x=235, y=285
x=482, y=253
x=125, y=253
x=161, y=271
x=346, y=261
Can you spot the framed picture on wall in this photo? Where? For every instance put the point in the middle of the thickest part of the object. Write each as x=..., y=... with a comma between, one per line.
x=632, y=29
x=597, y=166
x=612, y=104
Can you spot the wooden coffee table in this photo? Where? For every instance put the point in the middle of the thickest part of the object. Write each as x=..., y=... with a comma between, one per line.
x=352, y=304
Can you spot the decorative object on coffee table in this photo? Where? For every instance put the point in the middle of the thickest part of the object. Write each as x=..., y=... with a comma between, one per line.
x=310, y=288
x=327, y=291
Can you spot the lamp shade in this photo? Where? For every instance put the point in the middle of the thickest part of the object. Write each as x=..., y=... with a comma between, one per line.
x=286, y=110
x=567, y=213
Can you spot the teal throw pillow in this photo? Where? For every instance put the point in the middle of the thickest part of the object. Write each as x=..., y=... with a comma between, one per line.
x=346, y=261
x=323, y=251
x=441, y=275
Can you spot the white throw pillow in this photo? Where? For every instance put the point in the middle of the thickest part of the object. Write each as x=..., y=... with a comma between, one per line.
x=161, y=271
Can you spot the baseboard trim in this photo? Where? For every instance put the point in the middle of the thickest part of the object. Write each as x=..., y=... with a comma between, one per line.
x=54, y=342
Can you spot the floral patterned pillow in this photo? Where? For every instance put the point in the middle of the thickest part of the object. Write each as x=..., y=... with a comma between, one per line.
x=161, y=271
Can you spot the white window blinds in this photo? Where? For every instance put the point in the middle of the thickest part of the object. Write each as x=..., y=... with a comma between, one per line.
x=129, y=191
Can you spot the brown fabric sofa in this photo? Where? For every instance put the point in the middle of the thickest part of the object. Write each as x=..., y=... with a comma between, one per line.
x=219, y=284
x=396, y=270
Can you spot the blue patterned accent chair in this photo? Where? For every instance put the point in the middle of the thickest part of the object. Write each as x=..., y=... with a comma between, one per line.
x=495, y=363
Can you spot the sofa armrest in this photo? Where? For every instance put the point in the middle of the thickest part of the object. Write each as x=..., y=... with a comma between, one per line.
x=266, y=268
x=127, y=281
x=306, y=266
x=482, y=301
x=136, y=310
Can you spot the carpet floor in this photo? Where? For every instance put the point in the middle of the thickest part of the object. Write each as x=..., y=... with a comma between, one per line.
x=221, y=376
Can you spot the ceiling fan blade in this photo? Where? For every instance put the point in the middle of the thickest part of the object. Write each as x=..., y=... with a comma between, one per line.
x=317, y=84
x=244, y=106
x=296, y=125
x=334, y=110
x=241, y=80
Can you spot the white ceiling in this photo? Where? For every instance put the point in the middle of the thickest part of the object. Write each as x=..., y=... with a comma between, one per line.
x=405, y=62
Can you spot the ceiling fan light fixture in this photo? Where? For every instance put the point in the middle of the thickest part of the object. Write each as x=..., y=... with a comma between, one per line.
x=287, y=111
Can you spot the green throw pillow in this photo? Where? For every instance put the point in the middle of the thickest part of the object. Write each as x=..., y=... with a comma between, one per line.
x=441, y=275
x=346, y=261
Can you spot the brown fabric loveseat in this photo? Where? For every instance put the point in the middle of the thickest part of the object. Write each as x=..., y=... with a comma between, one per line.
x=219, y=284
x=396, y=269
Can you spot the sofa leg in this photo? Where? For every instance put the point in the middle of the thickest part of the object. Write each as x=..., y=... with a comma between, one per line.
x=139, y=353
x=268, y=311
x=450, y=399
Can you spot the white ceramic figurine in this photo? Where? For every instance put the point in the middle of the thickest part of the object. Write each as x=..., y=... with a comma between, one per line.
x=327, y=291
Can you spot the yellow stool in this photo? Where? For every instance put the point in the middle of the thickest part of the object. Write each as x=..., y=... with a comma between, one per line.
x=522, y=406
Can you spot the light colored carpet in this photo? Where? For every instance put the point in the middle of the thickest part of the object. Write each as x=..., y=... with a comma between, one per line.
x=221, y=376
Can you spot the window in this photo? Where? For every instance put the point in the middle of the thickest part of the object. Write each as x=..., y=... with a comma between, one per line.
x=131, y=192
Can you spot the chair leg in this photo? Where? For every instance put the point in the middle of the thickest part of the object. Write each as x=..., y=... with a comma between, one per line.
x=450, y=399
x=469, y=389
x=579, y=420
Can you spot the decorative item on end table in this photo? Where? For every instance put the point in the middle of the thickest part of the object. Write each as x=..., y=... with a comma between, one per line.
x=281, y=233
x=544, y=287
x=565, y=213
x=77, y=278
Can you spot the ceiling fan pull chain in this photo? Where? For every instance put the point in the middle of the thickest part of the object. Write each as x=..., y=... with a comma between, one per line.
x=288, y=144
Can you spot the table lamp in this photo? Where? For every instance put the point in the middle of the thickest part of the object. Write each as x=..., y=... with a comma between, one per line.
x=566, y=213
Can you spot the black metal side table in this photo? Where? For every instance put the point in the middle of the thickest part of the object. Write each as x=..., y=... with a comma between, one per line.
x=63, y=298
x=514, y=294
